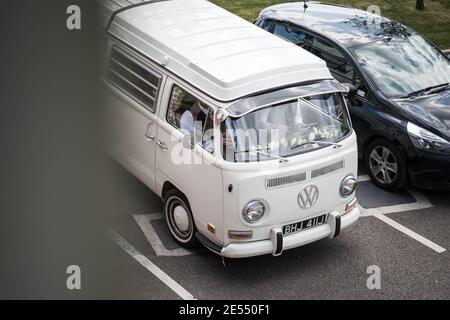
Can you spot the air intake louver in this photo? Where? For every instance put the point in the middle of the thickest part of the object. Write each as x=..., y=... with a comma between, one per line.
x=282, y=181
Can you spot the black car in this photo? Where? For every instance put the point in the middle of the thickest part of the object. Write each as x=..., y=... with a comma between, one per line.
x=399, y=95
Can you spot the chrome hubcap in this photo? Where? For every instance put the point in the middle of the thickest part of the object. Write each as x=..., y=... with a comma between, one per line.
x=383, y=165
x=181, y=219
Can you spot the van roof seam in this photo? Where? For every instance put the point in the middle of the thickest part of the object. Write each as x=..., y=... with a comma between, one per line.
x=131, y=6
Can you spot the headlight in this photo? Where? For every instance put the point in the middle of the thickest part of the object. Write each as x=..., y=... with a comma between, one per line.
x=253, y=211
x=425, y=140
x=348, y=186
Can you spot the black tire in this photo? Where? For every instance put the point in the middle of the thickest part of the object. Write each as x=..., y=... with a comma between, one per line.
x=386, y=165
x=176, y=201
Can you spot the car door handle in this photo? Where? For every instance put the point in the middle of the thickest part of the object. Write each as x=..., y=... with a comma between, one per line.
x=162, y=145
x=149, y=137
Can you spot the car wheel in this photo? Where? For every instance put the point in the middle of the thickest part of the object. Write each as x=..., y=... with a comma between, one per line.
x=386, y=165
x=179, y=219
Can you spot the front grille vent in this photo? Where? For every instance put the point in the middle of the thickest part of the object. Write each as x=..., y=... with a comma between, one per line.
x=285, y=180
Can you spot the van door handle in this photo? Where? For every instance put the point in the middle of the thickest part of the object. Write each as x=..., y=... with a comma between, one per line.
x=162, y=145
x=149, y=137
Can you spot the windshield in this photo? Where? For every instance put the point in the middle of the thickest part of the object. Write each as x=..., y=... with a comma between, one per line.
x=286, y=129
x=403, y=67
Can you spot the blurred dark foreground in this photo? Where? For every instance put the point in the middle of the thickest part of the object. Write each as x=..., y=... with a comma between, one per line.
x=57, y=186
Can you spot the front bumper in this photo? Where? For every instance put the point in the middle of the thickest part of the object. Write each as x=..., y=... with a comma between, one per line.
x=334, y=225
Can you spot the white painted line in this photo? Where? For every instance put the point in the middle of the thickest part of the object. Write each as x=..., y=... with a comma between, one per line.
x=421, y=203
x=144, y=223
x=411, y=233
x=150, y=266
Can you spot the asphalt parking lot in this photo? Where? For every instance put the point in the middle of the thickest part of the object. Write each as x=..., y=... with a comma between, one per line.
x=406, y=234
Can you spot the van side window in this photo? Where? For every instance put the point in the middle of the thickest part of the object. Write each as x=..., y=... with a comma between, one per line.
x=340, y=68
x=294, y=35
x=134, y=79
x=191, y=116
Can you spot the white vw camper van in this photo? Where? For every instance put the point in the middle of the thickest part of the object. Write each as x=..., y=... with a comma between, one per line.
x=245, y=137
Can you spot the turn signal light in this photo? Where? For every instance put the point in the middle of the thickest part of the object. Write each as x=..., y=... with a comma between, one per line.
x=211, y=228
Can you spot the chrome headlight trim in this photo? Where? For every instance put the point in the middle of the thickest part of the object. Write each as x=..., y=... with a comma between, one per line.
x=253, y=211
x=348, y=186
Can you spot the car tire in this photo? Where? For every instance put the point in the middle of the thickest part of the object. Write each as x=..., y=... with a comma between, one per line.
x=179, y=219
x=386, y=165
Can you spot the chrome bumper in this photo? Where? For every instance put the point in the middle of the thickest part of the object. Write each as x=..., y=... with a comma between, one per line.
x=278, y=243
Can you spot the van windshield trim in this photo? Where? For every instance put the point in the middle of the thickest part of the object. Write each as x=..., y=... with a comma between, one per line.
x=247, y=105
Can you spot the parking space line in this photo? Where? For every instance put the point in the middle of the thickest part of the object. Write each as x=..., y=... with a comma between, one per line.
x=421, y=203
x=144, y=223
x=410, y=233
x=150, y=266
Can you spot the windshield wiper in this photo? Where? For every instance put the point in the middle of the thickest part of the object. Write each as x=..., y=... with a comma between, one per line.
x=319, y=141
x=438, y=88
x=432, y=89
x=327, y=143
x=261, y=152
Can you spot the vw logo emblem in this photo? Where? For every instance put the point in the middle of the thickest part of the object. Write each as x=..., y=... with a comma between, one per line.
x=308, y=196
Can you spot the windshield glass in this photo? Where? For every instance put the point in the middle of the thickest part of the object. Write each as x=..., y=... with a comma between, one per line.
x=286, y=129
x=402, y=67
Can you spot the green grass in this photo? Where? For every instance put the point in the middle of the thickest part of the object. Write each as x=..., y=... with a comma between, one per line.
x=433, y=23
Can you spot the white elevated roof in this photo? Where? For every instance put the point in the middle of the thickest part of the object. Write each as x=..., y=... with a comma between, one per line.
x=217, y=52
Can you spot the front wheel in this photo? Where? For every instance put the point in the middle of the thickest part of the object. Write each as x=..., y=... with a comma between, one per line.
x=386, y=165
x=179, y=219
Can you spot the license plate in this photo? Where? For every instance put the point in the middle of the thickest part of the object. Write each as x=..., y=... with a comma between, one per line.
x=303, y=225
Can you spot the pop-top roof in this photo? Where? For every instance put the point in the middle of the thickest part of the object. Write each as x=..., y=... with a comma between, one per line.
x=217, y=52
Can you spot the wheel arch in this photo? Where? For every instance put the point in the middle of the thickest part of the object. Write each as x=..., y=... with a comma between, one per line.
x=168, y=190
x=168, y=186
x=377, y=136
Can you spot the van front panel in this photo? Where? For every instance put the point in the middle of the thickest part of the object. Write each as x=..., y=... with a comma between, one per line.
x=279, y=190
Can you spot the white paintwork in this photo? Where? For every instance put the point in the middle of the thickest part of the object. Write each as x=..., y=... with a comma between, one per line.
x=126, y=136
x=282, y=202
x=216, y=51
x=201, y=183
x=226, y=68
